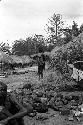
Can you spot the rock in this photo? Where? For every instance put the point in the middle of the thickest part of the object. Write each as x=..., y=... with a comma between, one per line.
x=71, y=118
x=39, y=107
x=41, y=116
x=34, y=91
x=55, y=94
x=75, y=97
x=65, y=102
x=48, y=95
x=59, y=95
x=73, y=103
x=37, y=100
x=65, y=111
x=58, y=103
x=33, y=96
x=56, y=108
x=80, y=107
x=52, y=93
x=68, y=106
x=27, y=86
x=74, y=107
x=69, y=97
x=29, y=107
x=58, y=99
x=28, y=92
x=77, y=113
x=32, y=114
x=39, y=94
x=43, y=100
x=51, y=103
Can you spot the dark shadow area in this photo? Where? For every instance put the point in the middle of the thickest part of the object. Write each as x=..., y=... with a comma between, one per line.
x=13, y=109
x=72, y=88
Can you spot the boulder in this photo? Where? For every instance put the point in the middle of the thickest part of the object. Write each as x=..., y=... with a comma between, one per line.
x=40, y=107
x=37, y=100
x=29, y=107
x=43, y=100
x=39, y=93
x=68, y=97
x=65, y=101
x=27, y=86
x=64, y=111
x=51, y=102
x=58, y=103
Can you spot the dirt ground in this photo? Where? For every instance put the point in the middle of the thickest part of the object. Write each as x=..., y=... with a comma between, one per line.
x=29, y=75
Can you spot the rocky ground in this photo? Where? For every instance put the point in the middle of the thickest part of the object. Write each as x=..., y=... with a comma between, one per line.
x=54, y=100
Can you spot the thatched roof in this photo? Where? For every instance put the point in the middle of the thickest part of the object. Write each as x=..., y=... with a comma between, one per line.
x=39, y=54
x=21, y=59
x=17, y=59
x=34, y=55
x=26, y=59
x=5, y=58
x=78, y=41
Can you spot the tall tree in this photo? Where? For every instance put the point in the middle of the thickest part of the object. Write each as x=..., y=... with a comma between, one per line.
x=75, y=30
x=54, y=25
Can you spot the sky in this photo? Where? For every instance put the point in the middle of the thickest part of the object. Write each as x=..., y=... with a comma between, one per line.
x=23, y=18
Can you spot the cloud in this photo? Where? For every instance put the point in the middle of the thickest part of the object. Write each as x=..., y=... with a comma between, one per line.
x=18, y=18
x=29, y=9
x=73, y=8
x=24, y=9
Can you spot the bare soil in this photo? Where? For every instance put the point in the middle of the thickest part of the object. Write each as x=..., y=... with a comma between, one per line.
x=51, y=77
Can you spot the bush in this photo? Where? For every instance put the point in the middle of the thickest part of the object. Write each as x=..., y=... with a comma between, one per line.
x=59, y=58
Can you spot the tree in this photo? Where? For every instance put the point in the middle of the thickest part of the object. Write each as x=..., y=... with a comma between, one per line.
x=29, y=46
x=39, y=42
x=18, y=47
x=75, y=30
x=71, y=32
x=67, y=34
x=54, y=25
x=5, y=48
x=81, y=28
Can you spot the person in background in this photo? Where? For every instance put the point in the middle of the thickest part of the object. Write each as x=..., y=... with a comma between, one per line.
x=40, y=67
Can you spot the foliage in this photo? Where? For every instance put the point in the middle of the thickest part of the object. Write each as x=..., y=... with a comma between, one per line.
x=5, y=48
x=81, y=28
x=58, y=35
x=71, y=33
x=31, y=45
x=67, y=34
x=72, y=51
x=75, y=30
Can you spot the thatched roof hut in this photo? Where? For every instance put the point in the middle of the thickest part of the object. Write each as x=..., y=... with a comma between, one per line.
x=5, y=58
x=68, y=48
x=26, y=59
x=21, y=60
x=16, y=59
x=35, y=56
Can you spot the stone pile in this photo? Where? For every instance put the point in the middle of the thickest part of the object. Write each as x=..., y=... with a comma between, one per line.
x=43, y=98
